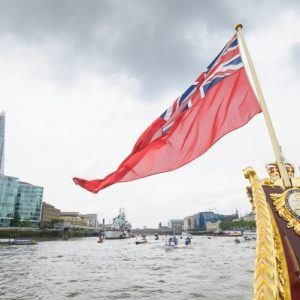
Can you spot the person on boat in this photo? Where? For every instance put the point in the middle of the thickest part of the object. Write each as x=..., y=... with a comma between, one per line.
x=173, y=241
x=188, y=240
x=101, y=238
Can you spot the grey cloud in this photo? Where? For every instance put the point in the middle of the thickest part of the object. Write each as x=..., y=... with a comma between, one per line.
x=143, y=38
x=146, y=39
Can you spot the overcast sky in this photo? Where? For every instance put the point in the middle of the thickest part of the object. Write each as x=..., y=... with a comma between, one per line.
x=81, y=80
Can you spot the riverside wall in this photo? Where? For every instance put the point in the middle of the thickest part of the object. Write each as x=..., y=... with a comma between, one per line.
x=44, y=234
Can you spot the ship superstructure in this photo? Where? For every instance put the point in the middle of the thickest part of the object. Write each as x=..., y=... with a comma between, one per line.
x=120, y=227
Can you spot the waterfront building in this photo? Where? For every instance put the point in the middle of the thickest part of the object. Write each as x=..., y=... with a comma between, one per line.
x=8, y=193
x=198, y=222
x=49, y=212
x=92, y=219
x=162, y=228
x=248, y=217
x=230, y=217
x=213, y=227
x=209, y=216
x=2, y=141
x=189, y=223
x=203, y=217
x=28, y=202
x=73, y=218
x=176, y=225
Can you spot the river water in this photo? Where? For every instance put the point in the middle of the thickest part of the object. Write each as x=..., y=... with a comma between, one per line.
x=215, y=268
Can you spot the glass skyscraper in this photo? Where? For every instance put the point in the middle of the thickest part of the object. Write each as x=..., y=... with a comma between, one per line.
x=28, y=203
x=17, y=196
x=2, y=140
x=8, y=194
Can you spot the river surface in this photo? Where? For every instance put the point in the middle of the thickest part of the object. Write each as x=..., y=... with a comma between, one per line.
x=215, y=268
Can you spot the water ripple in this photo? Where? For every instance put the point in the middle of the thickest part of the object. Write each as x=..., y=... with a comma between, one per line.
x=213, y=268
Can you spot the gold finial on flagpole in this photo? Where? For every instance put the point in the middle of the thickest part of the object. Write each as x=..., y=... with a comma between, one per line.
x=238, y=26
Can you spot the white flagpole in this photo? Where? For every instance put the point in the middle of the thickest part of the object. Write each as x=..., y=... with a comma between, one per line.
x=261, y=100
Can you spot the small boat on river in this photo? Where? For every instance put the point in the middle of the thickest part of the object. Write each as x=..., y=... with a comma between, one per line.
x=172, y=243
x=233, y=233
x=17, y=242
x=141, y=241
x=187, y=241
x=100, y=239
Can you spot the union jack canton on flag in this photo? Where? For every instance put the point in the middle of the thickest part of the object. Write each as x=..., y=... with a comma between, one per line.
x=225, y=63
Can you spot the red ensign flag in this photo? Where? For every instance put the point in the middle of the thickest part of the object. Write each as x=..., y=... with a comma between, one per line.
x=221, y=100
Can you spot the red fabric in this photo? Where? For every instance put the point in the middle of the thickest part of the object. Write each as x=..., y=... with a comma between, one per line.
x=227, y=106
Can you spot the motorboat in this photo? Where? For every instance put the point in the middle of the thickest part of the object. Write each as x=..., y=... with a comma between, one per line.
x=172, y=243
x=100, y=239
x=187, y=241
x=233, y=233
x=143, y=240
x=18, y=241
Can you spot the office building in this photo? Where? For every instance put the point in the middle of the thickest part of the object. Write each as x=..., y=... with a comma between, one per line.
x=206, y=221
x=8, y=193
x=213, y=227
x=203, y=217
x=28, y=203
x=189, y=223
x=92, y=219
x=74, y=219
x=49, y=212
x=176, y=225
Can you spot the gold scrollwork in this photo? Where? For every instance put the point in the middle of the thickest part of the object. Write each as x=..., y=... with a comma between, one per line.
x=271, y=279
x=279, y=201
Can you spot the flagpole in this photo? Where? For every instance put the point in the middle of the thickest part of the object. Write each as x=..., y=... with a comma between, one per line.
x=263, y=106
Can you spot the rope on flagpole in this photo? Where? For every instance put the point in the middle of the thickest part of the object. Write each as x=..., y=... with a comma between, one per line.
x=263, y=106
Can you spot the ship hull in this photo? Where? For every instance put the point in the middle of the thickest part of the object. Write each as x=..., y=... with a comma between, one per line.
x=115, y=234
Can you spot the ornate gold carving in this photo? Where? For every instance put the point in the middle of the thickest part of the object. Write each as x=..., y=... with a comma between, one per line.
x=281, y=261
x=273, y=171
x=271, y=279
x=284, y=209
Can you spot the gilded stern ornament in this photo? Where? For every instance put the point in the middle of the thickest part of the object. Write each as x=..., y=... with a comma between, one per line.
x=277, y=210
x=287, y=205
x=270, y=277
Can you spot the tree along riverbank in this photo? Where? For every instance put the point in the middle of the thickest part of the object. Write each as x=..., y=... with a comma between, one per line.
x=238, y=225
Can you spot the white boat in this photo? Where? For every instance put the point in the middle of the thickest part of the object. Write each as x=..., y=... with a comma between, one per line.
x=233, y=233
x=113, y=234
x=171, y=243
x=143, y=240
x=249, y=235
x=119, y=229
x=185, y=235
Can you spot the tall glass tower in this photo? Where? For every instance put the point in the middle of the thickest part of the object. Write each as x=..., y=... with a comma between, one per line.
x=2, y=140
